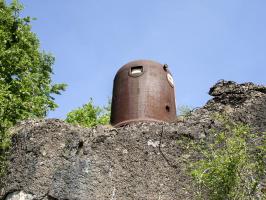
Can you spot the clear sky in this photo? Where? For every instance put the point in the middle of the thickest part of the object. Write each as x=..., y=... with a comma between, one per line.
x=202, y=41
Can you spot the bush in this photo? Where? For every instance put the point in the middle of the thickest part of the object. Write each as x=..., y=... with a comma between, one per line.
x=89, y=115
x=233, y=164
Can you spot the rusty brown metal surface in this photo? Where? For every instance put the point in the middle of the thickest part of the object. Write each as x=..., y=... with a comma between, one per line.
x=143, y=91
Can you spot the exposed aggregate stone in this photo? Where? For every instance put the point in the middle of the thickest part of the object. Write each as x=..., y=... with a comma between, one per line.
x=50, y=159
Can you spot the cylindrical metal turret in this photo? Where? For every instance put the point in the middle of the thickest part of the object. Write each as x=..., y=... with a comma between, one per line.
x=143, y=91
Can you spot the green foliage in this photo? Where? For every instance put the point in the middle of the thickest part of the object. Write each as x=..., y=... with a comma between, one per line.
x=233, y=164
x=184, y=110
x=25, y=72
x=89, y=115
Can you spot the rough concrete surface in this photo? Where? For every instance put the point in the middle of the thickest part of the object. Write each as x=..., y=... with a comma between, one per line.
x=51, y=160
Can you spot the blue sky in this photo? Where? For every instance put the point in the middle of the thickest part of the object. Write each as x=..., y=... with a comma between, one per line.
x=202, y=41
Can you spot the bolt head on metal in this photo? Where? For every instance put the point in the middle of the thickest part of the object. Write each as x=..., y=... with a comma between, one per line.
x=165, y=67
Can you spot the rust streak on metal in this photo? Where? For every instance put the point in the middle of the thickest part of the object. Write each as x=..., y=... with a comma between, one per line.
x=143, y=91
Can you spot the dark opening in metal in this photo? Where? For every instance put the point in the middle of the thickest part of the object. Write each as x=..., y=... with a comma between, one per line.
x=136, y=71
x=167, y=108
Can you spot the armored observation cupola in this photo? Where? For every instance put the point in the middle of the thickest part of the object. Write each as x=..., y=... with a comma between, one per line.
x=143, y=90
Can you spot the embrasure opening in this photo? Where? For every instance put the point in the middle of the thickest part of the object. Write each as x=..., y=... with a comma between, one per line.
x=135, y=71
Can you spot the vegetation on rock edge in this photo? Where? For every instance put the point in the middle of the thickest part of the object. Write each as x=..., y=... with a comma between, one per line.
x=233, y=164
x=89, y=115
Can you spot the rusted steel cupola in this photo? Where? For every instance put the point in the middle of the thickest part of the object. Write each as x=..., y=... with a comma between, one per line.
x=143, y=91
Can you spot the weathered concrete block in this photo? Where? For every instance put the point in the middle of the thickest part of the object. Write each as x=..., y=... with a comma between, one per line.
x=50, y=159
